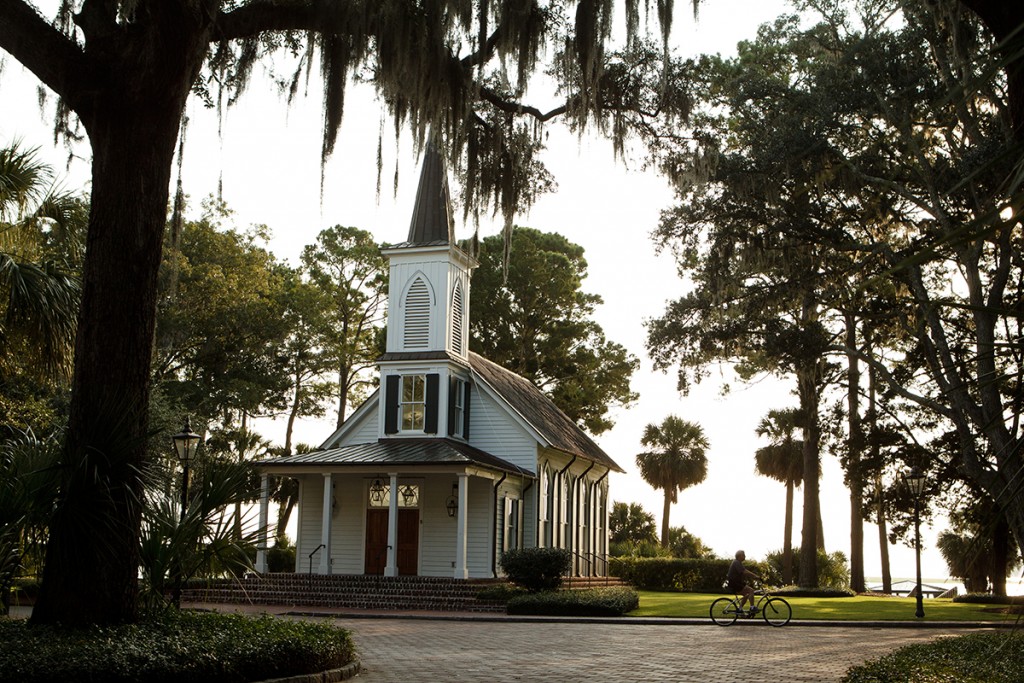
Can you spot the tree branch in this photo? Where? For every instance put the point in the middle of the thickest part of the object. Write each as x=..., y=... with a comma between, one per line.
x=256, y=17
x=53, y=57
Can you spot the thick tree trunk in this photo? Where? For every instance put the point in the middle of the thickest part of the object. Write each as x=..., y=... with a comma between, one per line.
x=855, y=446
x=1000, y=555
x=92, y=554
x=809, y=399
x=131, y=106
x=883, y=540
x=883, y=534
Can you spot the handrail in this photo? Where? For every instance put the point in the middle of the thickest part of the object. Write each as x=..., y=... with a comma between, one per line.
x=590, y=559
x=315, y=551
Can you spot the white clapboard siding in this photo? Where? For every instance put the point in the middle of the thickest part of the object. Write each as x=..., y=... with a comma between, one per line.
x=437, y=529
x=492, y=430
x=480, y=536
x=348, y=528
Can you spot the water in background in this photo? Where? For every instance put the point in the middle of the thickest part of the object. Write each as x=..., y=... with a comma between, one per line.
x=1014, y=584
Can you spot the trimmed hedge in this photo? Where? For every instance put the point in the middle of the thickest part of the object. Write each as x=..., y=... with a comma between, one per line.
x=178, y=646
x=975, y=658
x=592, y=602
x=797, y=592
x=536, y=569
x=673, y=574
x=989, y=599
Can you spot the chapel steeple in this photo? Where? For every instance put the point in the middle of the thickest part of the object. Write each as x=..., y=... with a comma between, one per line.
x=432, y=212
x=425, y=369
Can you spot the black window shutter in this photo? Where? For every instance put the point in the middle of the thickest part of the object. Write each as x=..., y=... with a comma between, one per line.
x=391, y=404
x=433, y=382
x=465, y=411
x=453, y=386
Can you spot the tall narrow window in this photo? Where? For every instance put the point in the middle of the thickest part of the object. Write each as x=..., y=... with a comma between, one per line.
x=413, y=403
x=458, y=402
x=458, y=340
x=417, y=316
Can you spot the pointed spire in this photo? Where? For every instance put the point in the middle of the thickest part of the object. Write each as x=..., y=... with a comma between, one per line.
x=432, y=213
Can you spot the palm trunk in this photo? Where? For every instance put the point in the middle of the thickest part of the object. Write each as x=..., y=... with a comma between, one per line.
x=664, y=519
x=787, y=542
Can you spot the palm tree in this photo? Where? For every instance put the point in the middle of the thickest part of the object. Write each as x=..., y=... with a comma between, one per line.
x=782, y=460
x=675, y=462
x=41, y=233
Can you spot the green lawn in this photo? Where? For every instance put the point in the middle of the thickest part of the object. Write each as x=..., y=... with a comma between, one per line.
x=861, y=608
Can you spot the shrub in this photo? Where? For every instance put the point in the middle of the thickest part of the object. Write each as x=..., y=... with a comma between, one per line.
x=536, y=569
x=798, y=592
x=977, y=658
x=281, y=558
x=668, y=574
x=833, y=570
x=500, y=592
x=989, y=599
x=593, y=602
x=178, y=646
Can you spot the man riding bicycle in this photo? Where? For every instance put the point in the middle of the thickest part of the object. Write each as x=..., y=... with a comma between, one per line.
x=737, y=580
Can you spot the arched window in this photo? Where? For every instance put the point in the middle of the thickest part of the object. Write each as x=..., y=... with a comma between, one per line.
x=458, y=312
x=417, y=315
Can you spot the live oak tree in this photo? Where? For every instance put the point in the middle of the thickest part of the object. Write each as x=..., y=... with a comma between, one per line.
x=534, y=318
x=124, y=70
x=908, y=156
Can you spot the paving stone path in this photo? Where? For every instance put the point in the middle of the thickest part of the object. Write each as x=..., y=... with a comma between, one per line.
x=404, y=650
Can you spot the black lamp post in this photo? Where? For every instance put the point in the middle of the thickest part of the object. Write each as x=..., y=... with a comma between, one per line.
x=915, y=481
x=185, y=444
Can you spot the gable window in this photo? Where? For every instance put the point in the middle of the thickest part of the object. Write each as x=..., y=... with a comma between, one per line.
x=416, y=333
x=413, y=403
x=457, y=339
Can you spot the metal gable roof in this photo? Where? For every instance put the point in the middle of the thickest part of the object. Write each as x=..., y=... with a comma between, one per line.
x=539, y=411
x=429, y=452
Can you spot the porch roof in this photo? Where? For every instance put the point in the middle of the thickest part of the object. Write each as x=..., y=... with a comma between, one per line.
x=422, y=452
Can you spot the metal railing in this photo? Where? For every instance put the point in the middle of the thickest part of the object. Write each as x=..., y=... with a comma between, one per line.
x=315, y=551
x=590, y=562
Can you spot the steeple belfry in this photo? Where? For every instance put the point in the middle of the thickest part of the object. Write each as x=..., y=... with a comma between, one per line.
x=432, y=212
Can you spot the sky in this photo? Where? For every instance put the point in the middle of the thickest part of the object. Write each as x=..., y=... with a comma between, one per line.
x=268, y=162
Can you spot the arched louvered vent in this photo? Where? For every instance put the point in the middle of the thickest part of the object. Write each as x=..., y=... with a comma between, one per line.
x=458, y=339
x=417, y=316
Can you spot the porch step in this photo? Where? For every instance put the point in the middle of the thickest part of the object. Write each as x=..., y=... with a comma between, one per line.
x=347, y=591
x=581, y=582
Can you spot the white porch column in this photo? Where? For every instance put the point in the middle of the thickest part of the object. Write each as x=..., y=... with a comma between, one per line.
x=261, y=544
x=462, y=528
x=391, y=569
x=325, y=524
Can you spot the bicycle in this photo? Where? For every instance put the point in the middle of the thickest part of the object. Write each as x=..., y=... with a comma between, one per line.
x=775, y=610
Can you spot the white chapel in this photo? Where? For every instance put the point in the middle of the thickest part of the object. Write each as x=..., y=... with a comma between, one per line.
x=454, y=459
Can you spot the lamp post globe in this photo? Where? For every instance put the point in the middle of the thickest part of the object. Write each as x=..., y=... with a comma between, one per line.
x=185, y=444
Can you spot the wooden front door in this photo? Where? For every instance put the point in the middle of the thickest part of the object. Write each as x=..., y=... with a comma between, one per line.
x=377, y=541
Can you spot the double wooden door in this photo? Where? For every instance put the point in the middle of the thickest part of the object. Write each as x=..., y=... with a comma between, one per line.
x=377, y=541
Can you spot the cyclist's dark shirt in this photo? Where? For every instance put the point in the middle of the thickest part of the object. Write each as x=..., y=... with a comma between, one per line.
x=735, y=575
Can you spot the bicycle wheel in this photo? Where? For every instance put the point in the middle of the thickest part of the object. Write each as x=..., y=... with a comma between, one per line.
x=777, y=612
x=724, y=611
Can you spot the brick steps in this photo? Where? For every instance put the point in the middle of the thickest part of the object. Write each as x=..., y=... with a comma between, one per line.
x=347, y=591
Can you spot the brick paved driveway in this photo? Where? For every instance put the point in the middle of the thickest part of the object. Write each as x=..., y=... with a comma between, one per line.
x=405, y=650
